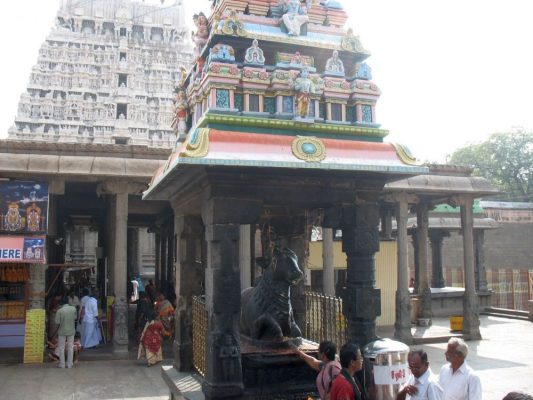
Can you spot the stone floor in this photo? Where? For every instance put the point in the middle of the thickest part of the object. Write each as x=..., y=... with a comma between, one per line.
x=503, y=359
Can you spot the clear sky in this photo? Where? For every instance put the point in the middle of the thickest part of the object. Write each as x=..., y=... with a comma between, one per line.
x=451, y=71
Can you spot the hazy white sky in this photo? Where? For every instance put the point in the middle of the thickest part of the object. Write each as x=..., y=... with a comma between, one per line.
x=451, y=71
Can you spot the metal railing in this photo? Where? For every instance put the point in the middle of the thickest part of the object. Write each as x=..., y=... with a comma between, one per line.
x=324, y=318
x=199, y=330
x=324, y=321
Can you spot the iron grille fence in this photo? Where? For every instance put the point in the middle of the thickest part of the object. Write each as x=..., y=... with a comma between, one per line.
x=324, y=321
x=324, y=318
x=511, y=288
x=199, y=329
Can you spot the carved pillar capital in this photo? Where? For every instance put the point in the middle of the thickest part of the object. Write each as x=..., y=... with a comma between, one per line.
x=56, y=186
x=222, y=210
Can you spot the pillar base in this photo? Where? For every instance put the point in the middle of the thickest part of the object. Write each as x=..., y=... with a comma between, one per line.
x=120, y=349
x=402, y=327
x=227, y=391
x=471, y=317
x=182, y=356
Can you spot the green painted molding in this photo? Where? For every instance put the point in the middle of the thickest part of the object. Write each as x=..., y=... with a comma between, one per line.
x=286, y=126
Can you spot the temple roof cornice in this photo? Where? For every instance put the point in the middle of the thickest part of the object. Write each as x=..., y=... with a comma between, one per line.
x=75, y=149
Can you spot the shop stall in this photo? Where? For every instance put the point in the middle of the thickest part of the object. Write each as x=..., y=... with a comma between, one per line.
x=17, y=254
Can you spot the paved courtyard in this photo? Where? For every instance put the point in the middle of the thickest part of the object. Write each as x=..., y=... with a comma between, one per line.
x=503, y=359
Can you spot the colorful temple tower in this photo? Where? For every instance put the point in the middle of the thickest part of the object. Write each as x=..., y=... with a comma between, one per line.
x=277, y=129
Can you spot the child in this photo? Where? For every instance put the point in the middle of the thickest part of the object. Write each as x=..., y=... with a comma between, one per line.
x=77, y=346
x=53, y=349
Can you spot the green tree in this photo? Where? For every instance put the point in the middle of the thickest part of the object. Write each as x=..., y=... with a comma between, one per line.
x=506, y=159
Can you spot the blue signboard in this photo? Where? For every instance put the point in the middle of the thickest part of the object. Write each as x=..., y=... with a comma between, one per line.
x=23, y=207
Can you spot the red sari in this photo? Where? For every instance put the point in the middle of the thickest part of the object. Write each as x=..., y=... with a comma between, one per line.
x=150, y=345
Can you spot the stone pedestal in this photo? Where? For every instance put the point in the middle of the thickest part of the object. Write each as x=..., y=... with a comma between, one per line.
x=277, y=374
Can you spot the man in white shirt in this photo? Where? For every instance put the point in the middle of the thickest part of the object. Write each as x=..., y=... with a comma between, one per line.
x=458, y=380
x=422, y=384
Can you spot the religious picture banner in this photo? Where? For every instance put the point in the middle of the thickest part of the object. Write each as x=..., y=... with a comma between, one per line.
x=22, y=249
x=23, y=207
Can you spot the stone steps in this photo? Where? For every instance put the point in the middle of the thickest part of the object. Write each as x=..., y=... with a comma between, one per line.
x=506, y=313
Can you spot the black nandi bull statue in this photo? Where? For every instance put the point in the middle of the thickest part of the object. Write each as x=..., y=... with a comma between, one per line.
x=266, y=312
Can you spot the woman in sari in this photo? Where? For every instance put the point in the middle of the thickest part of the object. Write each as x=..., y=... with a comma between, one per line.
x=326, y=365
x=165, y=313
x=151, y=339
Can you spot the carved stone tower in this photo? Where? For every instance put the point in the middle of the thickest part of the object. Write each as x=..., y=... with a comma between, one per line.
x=106, y=73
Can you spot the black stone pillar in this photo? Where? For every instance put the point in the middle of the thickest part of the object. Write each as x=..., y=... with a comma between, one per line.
x=414, y=242
x=157, y=272
x=188, y=283
x=361, y=299
x=424, y=290
x=164, y=259
x=222, y=219
x=386, y=214
x=171, y=244
x=436, y=237
x=479, y=261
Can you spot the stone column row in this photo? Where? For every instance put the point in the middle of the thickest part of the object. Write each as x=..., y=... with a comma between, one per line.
x=420, y=243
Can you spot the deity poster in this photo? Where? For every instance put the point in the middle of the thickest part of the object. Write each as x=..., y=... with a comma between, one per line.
x=23, y=207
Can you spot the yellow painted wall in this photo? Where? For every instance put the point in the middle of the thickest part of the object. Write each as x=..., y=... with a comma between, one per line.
x=386, y=273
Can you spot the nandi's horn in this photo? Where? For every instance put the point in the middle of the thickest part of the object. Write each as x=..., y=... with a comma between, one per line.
x=262, y=262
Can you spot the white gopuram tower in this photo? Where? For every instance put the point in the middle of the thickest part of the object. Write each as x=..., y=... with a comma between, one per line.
x=106, y=74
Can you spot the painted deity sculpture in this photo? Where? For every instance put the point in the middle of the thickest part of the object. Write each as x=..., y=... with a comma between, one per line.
x=181, y=110
x=294, y=16
x=363, y=71
x=334, y=65
x=304, y=86
x=351, y=42
x=230, y=24
x=221, y=53
x=202, y=33
x=254, y=55
x=331, y=4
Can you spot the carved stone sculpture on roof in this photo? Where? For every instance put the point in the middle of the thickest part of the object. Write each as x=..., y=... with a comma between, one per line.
x=295, y=61
x=202, y=33
x=304, y=87
x=254, y=55
x=231, y=25
x=181, y=112
x=351, y=42
x=331, y=4
x=334, y=65
x=294, y=16
x=363, y=71
x=221, y=53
